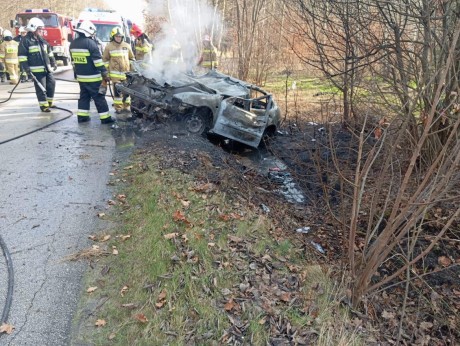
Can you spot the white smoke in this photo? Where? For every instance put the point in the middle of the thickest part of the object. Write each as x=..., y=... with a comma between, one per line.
x=189, y=21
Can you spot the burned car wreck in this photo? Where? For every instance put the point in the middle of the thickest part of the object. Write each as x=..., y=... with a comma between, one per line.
x=213, y=103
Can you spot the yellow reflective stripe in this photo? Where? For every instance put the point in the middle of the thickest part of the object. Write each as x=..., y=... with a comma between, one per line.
x=43, y=103
x=83, y=113
x=116, y=74
x=98, y=61
x=37, y=68
x=80, y=52
x=104, y=115
x=83, y=79
x=33, y=49
x=11, y=61
x=117, y=101
x=2, y=56
x=22, y=58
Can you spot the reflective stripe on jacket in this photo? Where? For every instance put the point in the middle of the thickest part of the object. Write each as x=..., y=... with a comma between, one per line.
x=87, y=60
x=9, y=52
x=35, y=54
x=117, y=58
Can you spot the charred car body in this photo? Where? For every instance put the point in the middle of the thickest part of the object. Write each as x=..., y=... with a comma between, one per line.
x=212, y=103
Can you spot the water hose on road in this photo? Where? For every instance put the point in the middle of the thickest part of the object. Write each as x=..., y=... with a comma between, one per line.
x=9, y=294
x=11, y=92
x=40, y=128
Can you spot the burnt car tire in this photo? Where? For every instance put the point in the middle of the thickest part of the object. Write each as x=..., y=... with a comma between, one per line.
x=198, y=122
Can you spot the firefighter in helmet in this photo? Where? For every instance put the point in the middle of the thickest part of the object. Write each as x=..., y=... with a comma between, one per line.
x=142, y=45
x=90, y=72
x=36, y=57
x=22, y=32
x=9, y=56
x=208, y=58
x=117, y=57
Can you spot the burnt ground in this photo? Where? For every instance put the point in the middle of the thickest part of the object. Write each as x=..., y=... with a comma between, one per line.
x=292, y=178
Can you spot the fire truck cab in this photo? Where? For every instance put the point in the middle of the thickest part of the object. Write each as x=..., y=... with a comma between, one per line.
x=58, y=30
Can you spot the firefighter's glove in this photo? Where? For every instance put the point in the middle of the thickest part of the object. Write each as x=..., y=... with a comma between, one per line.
x=105, y=76
x=54, y=67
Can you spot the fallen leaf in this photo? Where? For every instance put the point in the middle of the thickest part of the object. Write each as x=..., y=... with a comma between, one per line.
x=92, y=237
x=426, y=325
x=178, y=216
x=112, y=336
x=388, y=315
x=91, y=289
x=6, y=328
x=100, y=323
x=171, y=235
x=124, y=290
x=114, y=250
x=141, y=318
x=444, y=261
x=125, y=237
x=129, y=167
x=105, y=238
x=111, y=202
x=100, y=215
x=285, y=297
x=185, y=203
x=229, y=305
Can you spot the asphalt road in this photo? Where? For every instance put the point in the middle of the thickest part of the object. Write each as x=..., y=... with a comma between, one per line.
x=53, y=185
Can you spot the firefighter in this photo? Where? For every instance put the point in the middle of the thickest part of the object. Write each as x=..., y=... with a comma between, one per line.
x=36, y=57
x=117, y=57
x=18, y=38
x=142, y=45
x=9, y=56
x=22, y=33
x=174, y=51
x=208, y=58
x=90, y=72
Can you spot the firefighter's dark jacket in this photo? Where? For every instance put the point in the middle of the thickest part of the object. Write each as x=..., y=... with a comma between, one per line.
x=87, y=60
x=35, y=54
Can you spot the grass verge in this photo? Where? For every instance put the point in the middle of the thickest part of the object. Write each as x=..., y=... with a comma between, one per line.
x=189, y=265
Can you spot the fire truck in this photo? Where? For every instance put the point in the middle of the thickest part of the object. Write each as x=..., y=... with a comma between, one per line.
x=105, y=21
x=58, y=30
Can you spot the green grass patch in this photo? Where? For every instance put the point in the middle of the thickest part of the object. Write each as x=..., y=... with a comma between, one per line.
x=191, y=268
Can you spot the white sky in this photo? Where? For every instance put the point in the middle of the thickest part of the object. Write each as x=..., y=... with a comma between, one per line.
x=131, y=9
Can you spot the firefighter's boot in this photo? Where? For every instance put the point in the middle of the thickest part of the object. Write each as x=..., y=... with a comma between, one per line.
x=108, y=120
x=2, y=77
x=45, y=109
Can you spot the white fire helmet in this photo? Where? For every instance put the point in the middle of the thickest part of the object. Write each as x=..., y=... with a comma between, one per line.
x=86, y=28
x=34, y=24
x=7, y=33
x=22, y=29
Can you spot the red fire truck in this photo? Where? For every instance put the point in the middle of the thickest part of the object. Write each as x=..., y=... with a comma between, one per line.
x=58, y=30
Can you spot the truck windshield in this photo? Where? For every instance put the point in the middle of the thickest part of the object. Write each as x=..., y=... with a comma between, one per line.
x=49, y=19
x=103, y=31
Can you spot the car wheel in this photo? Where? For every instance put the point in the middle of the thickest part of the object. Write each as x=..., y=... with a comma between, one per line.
x=197, y=122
